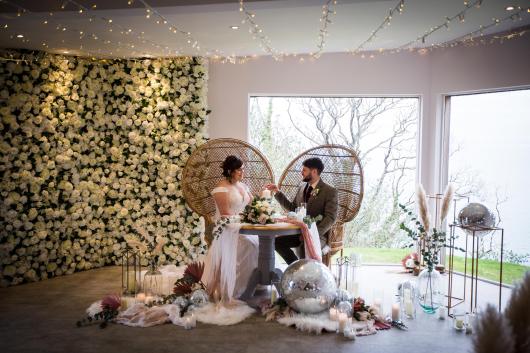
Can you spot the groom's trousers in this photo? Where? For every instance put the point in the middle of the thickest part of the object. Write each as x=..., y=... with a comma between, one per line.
x=284, y=245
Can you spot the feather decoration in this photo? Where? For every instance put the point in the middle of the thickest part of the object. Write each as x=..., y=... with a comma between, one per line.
x=446, y=202
x=423, y=209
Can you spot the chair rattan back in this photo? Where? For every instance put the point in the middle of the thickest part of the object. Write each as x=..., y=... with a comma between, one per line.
x=203, y=172
x=342, y=170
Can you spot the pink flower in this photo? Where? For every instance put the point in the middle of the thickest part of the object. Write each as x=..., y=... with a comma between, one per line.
x=111, y=302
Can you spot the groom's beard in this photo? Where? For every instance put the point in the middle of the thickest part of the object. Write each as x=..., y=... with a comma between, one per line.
x=307, y=179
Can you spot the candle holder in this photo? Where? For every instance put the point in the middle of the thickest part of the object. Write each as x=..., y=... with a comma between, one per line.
x=346, y=276
x=378, y=301
x=459, y=321
x=344, y=314
x=130, y=271
x=190, y=321
x=275, y=285
x=152, y=284
x=408, y=300
x=350, y=332
x=471, y=321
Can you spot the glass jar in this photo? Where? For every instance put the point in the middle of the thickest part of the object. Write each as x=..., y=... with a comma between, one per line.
x=459, y=321
x=152, y=283
x=430, y=290
x=408, y=300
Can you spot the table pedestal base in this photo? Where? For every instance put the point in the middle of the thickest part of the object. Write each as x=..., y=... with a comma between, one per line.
x=266, y=273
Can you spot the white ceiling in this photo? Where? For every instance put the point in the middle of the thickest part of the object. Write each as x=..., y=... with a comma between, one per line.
x=292, y=26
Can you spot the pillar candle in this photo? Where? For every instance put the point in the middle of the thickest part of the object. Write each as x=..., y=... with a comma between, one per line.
x=377, y=305
x=140, y=297
x=333, y=314
x=409, y=310
x=395, y=312
x=343, y=320
x=441, y=313
x=273, y=295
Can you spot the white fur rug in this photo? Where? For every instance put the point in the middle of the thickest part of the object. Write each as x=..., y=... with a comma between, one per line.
x=140, y=315
x=220, y=315
x=310, y=323
x=320, y=322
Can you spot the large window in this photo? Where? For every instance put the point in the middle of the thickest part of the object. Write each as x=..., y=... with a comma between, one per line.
x=489, y=155
x=383, y=131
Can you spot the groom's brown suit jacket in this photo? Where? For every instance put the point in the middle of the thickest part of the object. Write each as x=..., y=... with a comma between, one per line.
x=323, y=201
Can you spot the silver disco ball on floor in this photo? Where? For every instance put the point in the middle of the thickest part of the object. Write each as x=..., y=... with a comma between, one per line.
x=308, y=286
x=476, y=218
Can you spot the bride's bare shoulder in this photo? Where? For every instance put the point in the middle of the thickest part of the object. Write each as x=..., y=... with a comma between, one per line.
x=223, y=183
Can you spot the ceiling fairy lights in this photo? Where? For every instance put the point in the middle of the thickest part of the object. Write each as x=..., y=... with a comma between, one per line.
x=478, y=34
x=126, y=32
x=134, y=43
x=257, y=32
x=191, y=40
x=386, y=22
x=460, y=16
x=325, y=21
x=51, y=20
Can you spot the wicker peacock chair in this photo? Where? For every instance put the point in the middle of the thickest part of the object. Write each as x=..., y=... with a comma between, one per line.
x=343, y=171
x=203, y=172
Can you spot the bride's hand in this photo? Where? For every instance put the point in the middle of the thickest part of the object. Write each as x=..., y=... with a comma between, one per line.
x=271, y=187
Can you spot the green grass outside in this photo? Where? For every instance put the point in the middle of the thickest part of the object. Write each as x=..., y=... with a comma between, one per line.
x=488, y=269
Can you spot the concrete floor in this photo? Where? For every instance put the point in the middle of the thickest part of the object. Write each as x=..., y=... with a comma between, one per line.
x=41, y=317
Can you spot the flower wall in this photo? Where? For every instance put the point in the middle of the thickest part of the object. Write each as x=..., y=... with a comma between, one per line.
x=91, y=151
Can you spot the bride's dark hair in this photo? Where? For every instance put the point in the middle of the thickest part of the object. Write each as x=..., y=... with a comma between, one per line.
x=230, y=164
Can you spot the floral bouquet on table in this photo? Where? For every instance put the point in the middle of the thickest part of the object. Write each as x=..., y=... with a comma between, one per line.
x=259, y=211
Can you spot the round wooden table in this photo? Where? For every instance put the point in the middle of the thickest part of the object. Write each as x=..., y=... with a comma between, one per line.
x=266, y=271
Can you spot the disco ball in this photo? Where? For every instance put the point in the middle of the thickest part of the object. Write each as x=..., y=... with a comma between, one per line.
x=475, y=217
x=199, y=298
x=182, y=302
x=308, y=286
x=345, y=307
x=342, y=295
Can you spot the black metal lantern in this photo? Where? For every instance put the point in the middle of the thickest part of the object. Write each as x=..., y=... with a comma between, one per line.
x=130, y=271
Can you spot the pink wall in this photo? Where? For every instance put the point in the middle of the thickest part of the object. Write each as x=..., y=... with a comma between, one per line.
x=428, y=76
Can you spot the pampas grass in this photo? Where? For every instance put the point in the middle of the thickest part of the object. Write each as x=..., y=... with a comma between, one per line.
x=493, y=333
x=423, y=209
x=446, y=202
x=518, y=314
x=508, y=332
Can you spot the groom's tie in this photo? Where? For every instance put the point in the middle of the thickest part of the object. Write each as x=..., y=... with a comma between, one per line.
x=308, y=193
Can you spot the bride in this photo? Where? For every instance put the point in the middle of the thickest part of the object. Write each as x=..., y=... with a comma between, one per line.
x=231, y=257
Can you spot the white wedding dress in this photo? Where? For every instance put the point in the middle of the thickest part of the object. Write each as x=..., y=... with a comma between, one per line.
x=232, y=257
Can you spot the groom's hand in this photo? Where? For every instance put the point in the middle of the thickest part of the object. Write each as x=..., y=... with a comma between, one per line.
x=271, y=187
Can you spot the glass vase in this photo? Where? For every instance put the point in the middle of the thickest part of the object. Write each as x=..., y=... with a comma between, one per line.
x=152, y=283
x=430, y=290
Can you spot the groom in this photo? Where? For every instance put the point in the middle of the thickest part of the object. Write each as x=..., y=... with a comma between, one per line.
x=321, y=199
